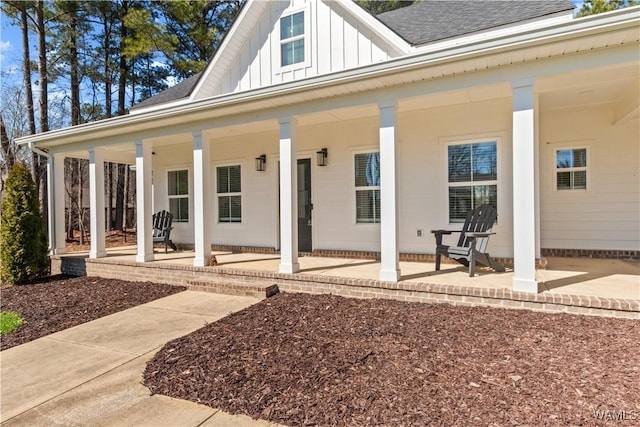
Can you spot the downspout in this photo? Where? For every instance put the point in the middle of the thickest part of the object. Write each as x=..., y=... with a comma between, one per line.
x=50, y=198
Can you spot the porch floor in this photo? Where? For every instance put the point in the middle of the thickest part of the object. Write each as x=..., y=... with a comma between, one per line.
x=607, y=278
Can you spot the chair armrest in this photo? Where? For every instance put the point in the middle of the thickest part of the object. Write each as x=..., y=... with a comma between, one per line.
x=478, y=233
x=439, y=233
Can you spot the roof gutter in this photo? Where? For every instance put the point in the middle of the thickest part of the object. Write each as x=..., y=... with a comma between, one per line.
x=621, y=19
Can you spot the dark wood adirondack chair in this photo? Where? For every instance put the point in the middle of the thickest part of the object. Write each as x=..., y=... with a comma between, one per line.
x=474, y=238
x=162, y=229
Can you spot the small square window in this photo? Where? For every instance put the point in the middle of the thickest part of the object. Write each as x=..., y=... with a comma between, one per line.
x=178, y=193
x=367, y=185
x=571, y=169
x=228, y=188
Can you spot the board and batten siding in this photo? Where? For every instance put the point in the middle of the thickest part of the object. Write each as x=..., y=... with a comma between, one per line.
x=607, y=214
x=336, y=43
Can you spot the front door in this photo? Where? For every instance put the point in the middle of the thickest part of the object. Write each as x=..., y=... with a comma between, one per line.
x=304, y=205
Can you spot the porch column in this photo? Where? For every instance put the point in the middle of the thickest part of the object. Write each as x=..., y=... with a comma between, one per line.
x=96, y=202
x=389, y=265
x=56, y=199
x=144, y=212
x=201, y=199
x=288, y=198
x=524, y=188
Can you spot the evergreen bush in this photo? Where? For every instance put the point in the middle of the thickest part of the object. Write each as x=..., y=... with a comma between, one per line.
x=23, y=240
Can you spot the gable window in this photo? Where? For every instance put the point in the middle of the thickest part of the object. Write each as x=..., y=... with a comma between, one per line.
x=367, y=186
x=571, y=169
x=472, y=177
x=229, y=189
x=292, y=39
x=178, y=192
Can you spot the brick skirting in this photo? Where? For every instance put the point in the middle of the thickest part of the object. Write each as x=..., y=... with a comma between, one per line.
x=592, y=253
x=353, y=287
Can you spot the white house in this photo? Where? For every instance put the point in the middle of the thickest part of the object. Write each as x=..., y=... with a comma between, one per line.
x=420, y=114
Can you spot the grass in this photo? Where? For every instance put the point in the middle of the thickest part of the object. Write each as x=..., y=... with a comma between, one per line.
x=9, y=321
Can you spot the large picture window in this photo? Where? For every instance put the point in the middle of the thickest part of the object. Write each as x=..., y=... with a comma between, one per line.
x=367, y=184
x=178, y=191
x=472, y=177
x=229, y=187
x=292, y=39
x=571, y=169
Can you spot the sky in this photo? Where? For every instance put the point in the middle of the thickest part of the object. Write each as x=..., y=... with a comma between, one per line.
x=11, y=46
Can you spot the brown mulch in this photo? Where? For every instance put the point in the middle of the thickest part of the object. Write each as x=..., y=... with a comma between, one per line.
x=60, y=302
x=300, y=359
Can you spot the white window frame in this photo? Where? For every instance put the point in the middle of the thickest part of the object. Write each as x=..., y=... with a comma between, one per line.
x=218, y=195
x=554, y=159
x=450, y=142
x=306, y=37
x=180, y=196
x=362, y=188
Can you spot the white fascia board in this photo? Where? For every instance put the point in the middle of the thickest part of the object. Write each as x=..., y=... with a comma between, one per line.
x=397, y=43
x=618, y=20
x=231, y=39
x=161, y=106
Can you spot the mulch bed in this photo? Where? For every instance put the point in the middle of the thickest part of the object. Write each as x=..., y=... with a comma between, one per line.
x=301, y=359
x=61, y=302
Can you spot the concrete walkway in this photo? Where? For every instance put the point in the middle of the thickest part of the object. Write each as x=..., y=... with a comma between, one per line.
x=90, y=375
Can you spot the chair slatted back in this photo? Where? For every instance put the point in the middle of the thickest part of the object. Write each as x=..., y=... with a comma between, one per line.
x=481, y=219
x=162, y=224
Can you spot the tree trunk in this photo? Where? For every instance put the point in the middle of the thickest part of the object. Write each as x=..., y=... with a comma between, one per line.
x=73, y=63
x=123, y=66
x=109, y=193
x=43, y=102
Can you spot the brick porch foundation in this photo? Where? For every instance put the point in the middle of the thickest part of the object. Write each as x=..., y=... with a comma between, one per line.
x=424, y=292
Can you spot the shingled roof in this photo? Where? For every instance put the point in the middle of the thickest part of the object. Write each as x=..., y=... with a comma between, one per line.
x=433, y=20
x=425, y=22
x=174, y=93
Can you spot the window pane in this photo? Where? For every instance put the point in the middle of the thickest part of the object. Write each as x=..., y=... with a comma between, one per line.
x=234, y=179
x=571, y=158
x=229, y=180
x=292, y=52
x=179, y=208
x=368, y=206
x=485, y=195
x=178, y=182
x=580, y=180
x=298, y=24
x=459, y=203
x=223, y=180
x=367, y=167
x=484, y=159
x=459, y=157
x=292, y=25
x=235, y=208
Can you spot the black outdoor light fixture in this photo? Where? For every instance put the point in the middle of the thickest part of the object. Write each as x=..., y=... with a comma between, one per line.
x=322, y=157
x=261, y=163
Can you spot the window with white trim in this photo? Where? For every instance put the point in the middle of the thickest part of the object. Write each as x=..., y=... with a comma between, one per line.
x=472, y=177
x=367, y=187
x=292, y=39
x=178, y=192
x=229, y=191
x=571, y=168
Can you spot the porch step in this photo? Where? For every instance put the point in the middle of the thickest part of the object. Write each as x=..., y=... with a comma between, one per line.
x=234, y=287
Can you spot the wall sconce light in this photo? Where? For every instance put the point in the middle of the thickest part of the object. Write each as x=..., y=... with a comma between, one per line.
x=322, y=157
x=261, y=163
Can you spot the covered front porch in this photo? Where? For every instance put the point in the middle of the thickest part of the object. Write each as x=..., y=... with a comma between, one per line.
x=609, y=287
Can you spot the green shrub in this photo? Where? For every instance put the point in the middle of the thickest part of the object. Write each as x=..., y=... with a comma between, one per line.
x=23, y=241
x=9, y=321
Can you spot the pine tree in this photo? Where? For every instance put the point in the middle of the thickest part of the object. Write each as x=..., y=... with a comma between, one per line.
x=23, y=242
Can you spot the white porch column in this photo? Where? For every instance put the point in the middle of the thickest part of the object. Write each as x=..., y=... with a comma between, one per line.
x=56, y=197
x=524, y=187
x=201, y=199
x=288, y=198
x=389, y=265
x=144, y=212
x=96, y=203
